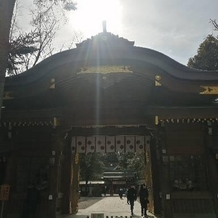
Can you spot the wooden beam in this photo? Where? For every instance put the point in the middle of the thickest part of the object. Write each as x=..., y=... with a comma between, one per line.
x=182, y=112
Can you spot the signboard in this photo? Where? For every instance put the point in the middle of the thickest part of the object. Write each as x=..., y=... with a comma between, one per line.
x=4, y=192
x=97, y=215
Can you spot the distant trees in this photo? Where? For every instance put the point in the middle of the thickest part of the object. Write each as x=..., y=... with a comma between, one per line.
x=110, y=160
x=91, y=167
x=207, y=54
x=134, y=162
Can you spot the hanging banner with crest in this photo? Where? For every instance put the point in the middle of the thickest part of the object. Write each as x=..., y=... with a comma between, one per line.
x=108, y=144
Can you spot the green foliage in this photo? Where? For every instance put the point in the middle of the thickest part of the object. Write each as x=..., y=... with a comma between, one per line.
x=207, y=56
x=124, y=160
x=110, y=160
x=133, y=162
x=91, y=167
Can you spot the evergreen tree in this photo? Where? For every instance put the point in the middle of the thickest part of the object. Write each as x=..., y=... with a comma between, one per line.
x=207, y=55
x=134, y=162
x=91, y=167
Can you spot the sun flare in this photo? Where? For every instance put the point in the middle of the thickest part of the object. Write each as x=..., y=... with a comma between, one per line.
x=89, y=16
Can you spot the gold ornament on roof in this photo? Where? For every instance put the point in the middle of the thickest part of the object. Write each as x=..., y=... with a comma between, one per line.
x=106, y=69
x=157, y=80
x=209, y=90
x=158, y=77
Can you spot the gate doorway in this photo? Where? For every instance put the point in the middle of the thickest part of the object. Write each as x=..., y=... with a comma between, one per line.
x=117, y=139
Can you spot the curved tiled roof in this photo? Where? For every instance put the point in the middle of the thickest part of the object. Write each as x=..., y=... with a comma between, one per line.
x=132, y=82
x=107, y=42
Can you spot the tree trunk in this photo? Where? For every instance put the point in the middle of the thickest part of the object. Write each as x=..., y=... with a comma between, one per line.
x=6, y=12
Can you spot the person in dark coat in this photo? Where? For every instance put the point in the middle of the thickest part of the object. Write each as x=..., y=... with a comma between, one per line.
x=131, y=197
x=121, y=193
x=143, y=197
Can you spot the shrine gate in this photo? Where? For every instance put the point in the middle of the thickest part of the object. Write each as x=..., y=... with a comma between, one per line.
x=108, y=95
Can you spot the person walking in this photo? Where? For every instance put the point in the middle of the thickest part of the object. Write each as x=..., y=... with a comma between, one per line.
x=121, y=193
x=131, y=197
x=143, y=197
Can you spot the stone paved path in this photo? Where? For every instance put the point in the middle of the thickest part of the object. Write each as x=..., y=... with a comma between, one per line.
x=110, y=206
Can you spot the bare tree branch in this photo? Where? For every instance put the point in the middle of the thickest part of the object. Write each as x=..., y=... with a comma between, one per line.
x=215, y=24
x=28, y=48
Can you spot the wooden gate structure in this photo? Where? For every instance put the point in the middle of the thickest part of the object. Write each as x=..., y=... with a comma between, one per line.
x=109, y=87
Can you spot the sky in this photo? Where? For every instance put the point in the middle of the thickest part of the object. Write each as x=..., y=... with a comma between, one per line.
x=173, y=27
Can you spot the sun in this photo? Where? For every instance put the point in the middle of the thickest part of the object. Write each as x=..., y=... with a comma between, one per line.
x=89, y=16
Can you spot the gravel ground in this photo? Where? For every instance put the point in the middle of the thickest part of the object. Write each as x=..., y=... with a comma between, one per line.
x=85, y=202
x=109, y=206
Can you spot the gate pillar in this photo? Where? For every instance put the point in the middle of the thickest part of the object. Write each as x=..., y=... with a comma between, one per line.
x=54, y=175
x=165, y=176
x=68, y=159
x=10, y=172
x=70, y=178
x=75, y=184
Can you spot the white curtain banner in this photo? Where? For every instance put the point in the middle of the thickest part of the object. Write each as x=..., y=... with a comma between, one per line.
x=100, y=144
x=110, y=144
x=90, y=144
x=120, y=143
x=130, y=143
x=140, y=144
x=81, y=144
